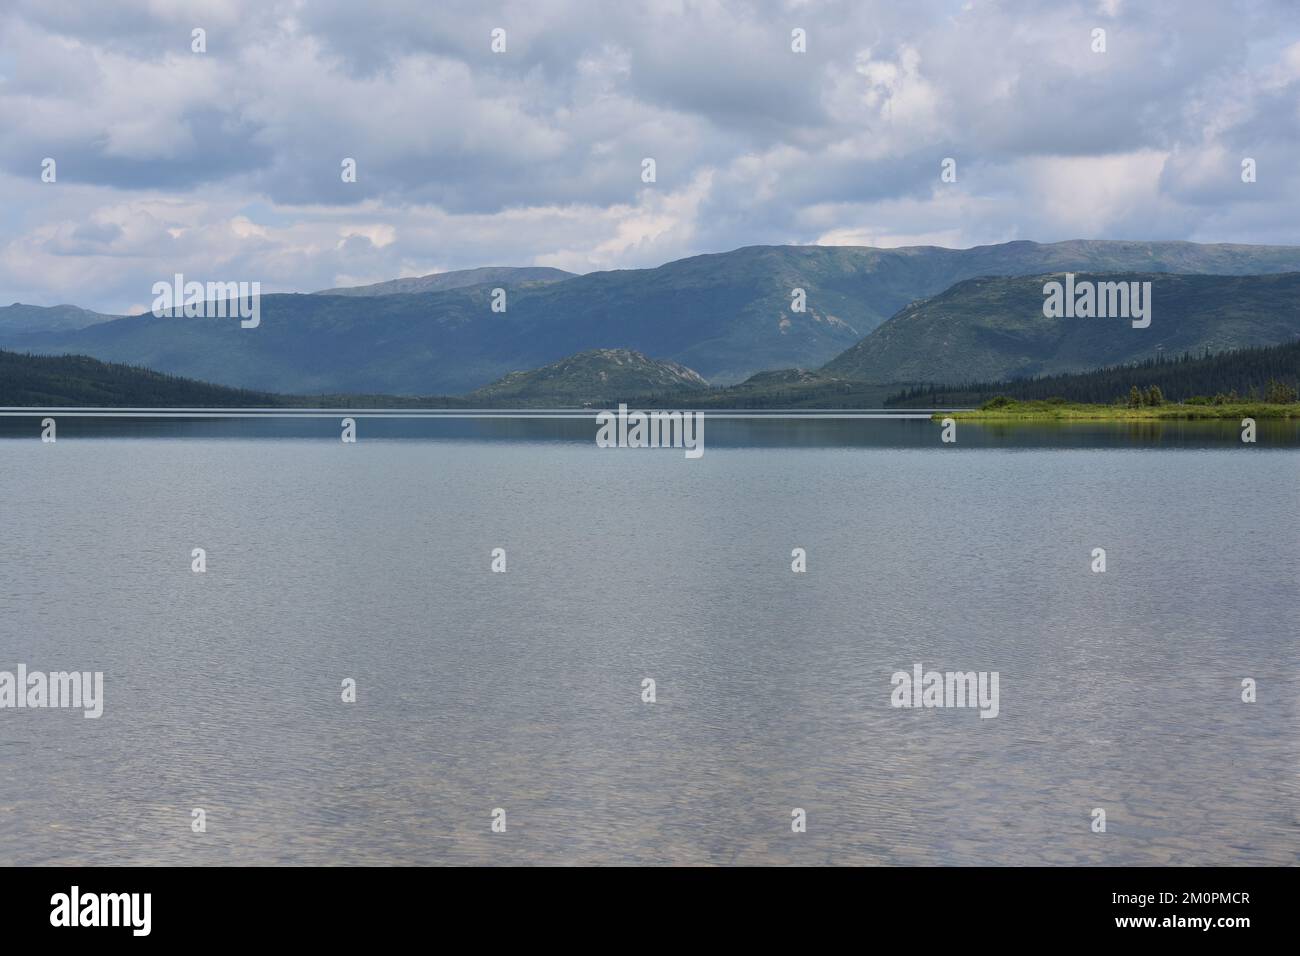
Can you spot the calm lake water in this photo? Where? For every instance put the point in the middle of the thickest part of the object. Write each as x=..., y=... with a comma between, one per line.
x=522, y=690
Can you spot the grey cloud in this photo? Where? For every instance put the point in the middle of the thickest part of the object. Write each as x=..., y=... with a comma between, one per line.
x=466, y=157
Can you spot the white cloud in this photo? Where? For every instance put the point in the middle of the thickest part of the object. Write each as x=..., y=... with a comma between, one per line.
x=228, y=161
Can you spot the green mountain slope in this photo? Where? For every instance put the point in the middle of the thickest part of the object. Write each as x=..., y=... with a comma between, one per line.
x=459, y=279
x=986, y=329
x=19, y=318
x=68, y=380
x=596, y=376
x=726, y=316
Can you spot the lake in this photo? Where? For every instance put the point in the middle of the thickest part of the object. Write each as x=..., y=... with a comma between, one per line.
x=522, y=690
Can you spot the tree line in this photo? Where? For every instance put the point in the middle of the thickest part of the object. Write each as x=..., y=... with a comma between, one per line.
x=1262, y=374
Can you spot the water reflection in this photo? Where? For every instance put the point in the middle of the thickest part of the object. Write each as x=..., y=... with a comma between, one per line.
x=733, y=432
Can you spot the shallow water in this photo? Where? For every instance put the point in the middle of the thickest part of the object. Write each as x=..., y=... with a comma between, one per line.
x=523, y=690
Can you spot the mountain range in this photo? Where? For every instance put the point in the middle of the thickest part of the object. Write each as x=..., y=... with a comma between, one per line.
x=459, y=279
x=19, y=318
x=725, y=316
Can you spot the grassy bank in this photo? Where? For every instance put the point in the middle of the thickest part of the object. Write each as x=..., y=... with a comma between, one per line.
x=1048, y=410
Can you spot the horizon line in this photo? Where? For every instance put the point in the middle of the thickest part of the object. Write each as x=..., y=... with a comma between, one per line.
x=31, y=411
x=341, y=290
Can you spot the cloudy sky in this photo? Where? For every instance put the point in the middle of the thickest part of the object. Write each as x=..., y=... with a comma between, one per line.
x=226, y=165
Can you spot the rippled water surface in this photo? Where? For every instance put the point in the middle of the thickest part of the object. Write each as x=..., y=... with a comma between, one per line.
x=523, y=690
